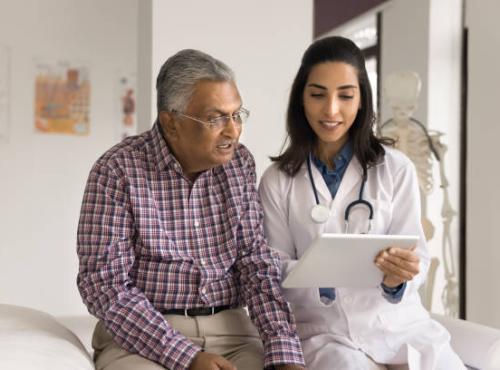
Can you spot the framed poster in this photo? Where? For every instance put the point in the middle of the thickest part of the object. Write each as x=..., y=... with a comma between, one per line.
x=62, y=98
x=126, y=112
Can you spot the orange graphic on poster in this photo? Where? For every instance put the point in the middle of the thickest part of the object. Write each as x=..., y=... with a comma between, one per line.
x=62, y=100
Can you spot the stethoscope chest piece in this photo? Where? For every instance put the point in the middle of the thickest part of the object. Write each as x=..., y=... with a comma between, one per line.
x=320, y=213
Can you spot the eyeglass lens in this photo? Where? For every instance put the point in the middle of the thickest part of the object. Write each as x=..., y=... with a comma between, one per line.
x=239, y=117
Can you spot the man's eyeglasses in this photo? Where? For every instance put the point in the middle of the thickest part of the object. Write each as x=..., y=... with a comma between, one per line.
x=238, y=117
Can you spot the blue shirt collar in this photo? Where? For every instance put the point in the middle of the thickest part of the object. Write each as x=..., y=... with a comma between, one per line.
x=341, y=159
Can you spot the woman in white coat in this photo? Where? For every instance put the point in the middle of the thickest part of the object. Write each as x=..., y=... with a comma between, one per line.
x=330, y=130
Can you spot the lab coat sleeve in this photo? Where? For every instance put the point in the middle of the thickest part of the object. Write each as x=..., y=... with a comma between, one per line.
x=274, y=191
x=407, y=216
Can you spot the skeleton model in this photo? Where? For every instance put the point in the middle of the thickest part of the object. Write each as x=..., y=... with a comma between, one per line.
x=420, y=145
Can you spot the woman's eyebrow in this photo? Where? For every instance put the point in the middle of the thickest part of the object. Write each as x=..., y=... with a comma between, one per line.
x=317, y=86
x=344, y=87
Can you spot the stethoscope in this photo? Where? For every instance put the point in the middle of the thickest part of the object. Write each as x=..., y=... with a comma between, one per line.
x=320, y=213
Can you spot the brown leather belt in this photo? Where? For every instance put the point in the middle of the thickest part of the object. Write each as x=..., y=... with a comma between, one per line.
x=197, y=311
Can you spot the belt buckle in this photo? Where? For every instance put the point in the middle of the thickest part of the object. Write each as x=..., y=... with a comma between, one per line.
x=186, y=312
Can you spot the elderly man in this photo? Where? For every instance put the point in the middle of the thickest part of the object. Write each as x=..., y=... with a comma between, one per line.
x=170, y=238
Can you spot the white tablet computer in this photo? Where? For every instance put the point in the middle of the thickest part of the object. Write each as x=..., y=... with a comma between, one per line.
x=343, y=260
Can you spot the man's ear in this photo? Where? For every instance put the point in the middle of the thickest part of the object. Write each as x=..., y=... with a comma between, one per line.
x=168, y=124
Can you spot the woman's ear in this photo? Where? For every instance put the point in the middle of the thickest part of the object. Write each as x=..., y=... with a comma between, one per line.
x=168, y=124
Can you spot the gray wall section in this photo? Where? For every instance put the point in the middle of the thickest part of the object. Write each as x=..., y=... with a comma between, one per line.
x=405, y=46
x=483, y=178
x=145, y=82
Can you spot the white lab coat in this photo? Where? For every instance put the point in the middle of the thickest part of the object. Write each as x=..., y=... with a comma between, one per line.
x=358, y=318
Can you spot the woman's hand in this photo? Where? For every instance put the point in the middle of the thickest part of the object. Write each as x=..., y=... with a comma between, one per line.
x=398, y=265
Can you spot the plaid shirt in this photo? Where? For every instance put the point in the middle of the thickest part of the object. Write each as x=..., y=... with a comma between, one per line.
x=150, y=240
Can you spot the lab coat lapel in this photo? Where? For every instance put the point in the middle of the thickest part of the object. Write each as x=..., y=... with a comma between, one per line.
x=350, y=182
x=324, y=194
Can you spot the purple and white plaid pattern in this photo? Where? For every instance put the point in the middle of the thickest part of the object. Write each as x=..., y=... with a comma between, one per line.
x=149, y=240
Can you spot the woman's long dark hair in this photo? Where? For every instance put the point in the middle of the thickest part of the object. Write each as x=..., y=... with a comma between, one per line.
x=301, y=138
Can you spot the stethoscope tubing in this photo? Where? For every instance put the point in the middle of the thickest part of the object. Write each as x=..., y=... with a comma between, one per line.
x=359, y=201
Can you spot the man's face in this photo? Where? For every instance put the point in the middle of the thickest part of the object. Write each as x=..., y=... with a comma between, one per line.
x=197, y=146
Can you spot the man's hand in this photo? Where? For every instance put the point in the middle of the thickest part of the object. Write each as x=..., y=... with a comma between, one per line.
x=290, y=367
x=398, y=265
x=210, y=361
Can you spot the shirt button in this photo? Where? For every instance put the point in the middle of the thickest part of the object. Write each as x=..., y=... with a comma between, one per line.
x=203, y=290
x=203, y=262
x=196, y=223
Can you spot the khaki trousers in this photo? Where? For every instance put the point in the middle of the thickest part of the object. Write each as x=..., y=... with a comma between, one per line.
x=229, y=333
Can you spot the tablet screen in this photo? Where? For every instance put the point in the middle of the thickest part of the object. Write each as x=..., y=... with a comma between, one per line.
x=343, y=260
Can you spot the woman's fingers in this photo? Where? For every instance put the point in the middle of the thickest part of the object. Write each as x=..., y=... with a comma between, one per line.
x=397, y=259
x=395, y=271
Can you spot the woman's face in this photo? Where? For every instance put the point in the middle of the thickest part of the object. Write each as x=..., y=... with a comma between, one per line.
x=331, y=102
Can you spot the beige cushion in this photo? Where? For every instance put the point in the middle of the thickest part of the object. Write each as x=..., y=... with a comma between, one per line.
x=478, y=346
x=82, y=326
x=31, y=339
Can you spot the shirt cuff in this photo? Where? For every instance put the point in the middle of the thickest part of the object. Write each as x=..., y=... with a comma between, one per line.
x=283, y=350
x=327, y=295
x=394, y=294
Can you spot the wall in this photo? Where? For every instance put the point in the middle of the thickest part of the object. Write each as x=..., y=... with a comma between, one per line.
x=145, y=83
x=404, y=45
x=42, y=176
x=483, y=179
x=262, y=41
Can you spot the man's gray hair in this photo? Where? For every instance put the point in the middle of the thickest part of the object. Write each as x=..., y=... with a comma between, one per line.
x=180, y=73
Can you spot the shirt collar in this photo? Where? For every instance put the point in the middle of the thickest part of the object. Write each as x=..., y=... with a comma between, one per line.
x=162, y=154
x=341, y=159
